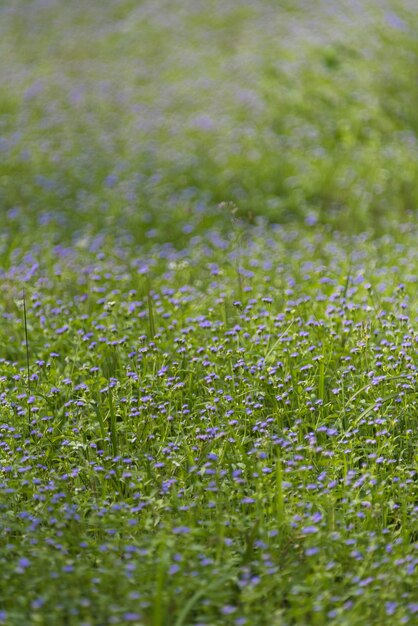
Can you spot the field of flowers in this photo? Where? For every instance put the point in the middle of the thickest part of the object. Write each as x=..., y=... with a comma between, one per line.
x=208, y=302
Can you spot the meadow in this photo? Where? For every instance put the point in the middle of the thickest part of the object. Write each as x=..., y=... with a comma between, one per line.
x=208, y=300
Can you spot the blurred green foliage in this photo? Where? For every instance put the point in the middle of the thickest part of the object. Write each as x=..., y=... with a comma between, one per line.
x=148, y=115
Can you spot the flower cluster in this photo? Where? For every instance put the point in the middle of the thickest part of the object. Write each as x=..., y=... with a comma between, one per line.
x=233, y=422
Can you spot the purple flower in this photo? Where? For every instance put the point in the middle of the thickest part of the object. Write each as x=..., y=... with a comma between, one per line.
x=228, y=609
x=390, y=607
x=310, y=530
x=181, y=530
x=131, y=617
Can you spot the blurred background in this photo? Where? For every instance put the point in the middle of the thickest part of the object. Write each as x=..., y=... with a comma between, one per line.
x=148, y=117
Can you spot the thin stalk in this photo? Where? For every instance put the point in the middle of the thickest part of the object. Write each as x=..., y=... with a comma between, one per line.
x=112, y=425
x=25, y=320
x=280, y=509
x=151, y=316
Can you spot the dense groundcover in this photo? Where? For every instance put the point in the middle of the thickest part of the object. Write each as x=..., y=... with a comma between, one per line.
x=139, y=112
x=208, y=305
x=223, y=434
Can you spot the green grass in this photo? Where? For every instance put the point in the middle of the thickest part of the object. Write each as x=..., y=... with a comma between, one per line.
x=208, y=338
